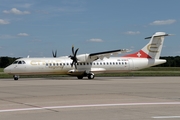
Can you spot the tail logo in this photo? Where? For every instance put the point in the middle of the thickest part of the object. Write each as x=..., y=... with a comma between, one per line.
x=139, y=54
x=152, y=46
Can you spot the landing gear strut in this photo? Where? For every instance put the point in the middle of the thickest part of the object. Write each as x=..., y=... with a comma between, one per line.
x=16, y=77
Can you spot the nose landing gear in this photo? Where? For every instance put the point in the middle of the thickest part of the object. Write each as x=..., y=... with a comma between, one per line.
x=16, y=77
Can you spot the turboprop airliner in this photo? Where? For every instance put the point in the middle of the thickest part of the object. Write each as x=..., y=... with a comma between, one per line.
x=87, y=65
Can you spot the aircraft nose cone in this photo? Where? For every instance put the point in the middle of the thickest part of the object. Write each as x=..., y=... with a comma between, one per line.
x=7, y=70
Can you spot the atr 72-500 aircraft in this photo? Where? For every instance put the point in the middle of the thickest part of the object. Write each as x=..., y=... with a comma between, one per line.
x=87, y=65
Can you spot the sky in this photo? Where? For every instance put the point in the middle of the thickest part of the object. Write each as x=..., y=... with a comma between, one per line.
x=35, y=28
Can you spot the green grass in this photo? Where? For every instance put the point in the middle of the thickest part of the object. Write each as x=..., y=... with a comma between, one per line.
x=152, y=71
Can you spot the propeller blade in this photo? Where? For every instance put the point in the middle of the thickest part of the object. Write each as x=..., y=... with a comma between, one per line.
x=76, y=51
x=75, y=65
x=72, y=63
x=73, y=50
x=54, y=54
x=73, y=57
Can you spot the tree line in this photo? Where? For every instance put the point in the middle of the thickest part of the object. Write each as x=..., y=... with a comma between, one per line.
x=171, y=61
x=5, y=61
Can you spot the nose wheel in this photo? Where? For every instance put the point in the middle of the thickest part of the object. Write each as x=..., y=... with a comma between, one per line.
x=16, y=77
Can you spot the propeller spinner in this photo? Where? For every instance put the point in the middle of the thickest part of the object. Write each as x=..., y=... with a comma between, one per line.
x=73, y=57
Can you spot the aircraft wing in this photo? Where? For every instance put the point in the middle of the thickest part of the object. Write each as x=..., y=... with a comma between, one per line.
x=101, y=55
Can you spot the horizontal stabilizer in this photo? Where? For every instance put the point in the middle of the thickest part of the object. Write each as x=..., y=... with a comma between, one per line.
x=158, y=34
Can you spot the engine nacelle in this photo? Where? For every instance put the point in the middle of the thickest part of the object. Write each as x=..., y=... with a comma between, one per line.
x=83, y=58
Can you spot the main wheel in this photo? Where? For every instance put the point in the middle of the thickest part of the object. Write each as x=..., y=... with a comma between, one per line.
x=91, y=76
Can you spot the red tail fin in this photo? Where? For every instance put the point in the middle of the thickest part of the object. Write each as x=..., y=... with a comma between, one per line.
x=139, y=54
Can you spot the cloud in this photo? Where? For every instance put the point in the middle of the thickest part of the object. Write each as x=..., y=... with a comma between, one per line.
x=132, y=32
x=3, y=22
x=7, y=37
x=16, y=12
x=26, y=5
x=23, y=34
x=95, y=40
x=163, y=22
x=71, y=9
x=72, y=6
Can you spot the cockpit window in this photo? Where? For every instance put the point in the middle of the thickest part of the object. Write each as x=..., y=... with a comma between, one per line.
x=19, y=62
x=15, y=62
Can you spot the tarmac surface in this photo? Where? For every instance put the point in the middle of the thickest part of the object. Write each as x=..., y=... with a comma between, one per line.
x=104, y=98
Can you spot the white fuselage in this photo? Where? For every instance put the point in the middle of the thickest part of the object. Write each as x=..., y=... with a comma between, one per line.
x=62, y=65
x=90, y=64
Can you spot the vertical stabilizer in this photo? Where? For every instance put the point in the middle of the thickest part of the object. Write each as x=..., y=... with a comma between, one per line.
x=153, y=48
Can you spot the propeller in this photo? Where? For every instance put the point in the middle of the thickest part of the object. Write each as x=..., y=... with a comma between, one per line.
x=54, y=54
x=73, y=57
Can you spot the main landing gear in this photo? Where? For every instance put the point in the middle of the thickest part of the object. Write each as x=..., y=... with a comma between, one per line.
x=90, y=76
